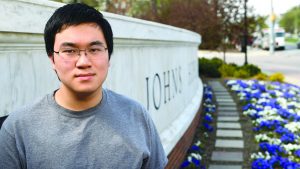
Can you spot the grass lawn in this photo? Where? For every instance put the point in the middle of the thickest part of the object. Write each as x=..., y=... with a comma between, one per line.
x=292, y=40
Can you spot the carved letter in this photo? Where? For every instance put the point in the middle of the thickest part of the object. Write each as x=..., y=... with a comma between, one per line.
x=174, y=81
x=147, y=87
x=179, y=78
x=156, y=105
x=167, y=85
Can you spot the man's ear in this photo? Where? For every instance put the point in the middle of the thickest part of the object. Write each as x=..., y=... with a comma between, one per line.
x=51, y=57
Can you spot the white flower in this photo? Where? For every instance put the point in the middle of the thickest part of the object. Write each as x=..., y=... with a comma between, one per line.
x=231, y=82
x=198, y=143
x=282, y=102
x=261, y=137
x=291, y=147
x=266, y=155
x=250, y=112
x=262, y=100
x=268, y=117
x=196, y=156
x=265, y=137
x=209, y=105
x=266, y=95
x=278, y=93
x=236, y=87
x=293, y=126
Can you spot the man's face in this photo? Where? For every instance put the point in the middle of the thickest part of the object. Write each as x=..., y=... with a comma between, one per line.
x=83, y=75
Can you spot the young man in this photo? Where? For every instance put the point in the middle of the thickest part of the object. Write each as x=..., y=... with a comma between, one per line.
x=80, y=125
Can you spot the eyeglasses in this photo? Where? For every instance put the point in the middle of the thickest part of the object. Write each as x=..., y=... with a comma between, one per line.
x=73, y=54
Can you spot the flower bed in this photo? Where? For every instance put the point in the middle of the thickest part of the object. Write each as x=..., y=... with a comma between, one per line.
x=197, y=150
x=274, y=109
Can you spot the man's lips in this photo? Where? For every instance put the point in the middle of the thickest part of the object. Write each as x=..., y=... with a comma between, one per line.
x=84, y=76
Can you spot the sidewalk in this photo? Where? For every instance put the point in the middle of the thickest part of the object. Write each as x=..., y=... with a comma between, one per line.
x=229, y=144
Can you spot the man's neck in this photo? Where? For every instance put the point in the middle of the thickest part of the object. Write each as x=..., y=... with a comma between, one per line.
x=77, y=101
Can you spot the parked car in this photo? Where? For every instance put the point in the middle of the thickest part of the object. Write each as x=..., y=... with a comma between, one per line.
x=257, y=42
x=298, y=45
x=279, y=39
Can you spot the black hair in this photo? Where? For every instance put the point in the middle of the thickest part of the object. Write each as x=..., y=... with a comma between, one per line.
x=72, y=15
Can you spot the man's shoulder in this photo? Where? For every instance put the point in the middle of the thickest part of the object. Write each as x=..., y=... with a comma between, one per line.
x=26, y=112
x=122, y=103
x=38, y=103
x=120, y=99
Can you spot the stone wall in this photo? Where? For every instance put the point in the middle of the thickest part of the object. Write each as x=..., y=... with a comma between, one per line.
x=152, y=63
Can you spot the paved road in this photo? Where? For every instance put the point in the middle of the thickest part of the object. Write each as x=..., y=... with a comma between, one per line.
x=285, y=61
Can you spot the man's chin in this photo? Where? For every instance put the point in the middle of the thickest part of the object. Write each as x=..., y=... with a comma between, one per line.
x=85, y=93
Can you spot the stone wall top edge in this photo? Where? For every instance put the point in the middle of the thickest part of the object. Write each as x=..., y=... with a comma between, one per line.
x=146, y=22
x=139, y=29
x=47, y=3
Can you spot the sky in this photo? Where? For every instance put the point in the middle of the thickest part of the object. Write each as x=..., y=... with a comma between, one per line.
x=263, y=7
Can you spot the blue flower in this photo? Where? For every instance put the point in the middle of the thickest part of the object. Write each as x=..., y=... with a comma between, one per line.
x=287, y=95
x=208, y=118
x=288, y=164
x=254, y=116
x=281, y=130
x=185, y=164
x=243, y=85
x=195, y=148
x=284, y=113
x=209, y=109
x=291, y=107
x=196, y=162
x=297, y=153
x=272, y=92
x=261, y=163
x=288, y=138
x=248, y=106
x=256, y=95
x=296, y=117
x=273, y=149
x=269, y=124
x=208, y=127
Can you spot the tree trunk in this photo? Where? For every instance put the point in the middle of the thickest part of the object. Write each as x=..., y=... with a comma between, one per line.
x=154, y=9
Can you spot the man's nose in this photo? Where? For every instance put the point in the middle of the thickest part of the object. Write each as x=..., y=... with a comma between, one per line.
x=83, y=60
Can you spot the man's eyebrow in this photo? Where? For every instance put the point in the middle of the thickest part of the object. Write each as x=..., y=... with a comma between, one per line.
x=96, y=43
x=65, y=44
x=70, y=44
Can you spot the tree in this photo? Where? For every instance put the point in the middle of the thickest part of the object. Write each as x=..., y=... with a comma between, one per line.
x=215, y=20
x=220, y=22
x=290, y=21
x=93, y=3
x=195, y=15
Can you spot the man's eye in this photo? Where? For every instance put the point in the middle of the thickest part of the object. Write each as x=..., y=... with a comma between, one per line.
x=95, y=50
x=69, y=51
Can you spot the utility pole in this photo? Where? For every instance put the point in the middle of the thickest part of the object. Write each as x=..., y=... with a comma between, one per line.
x=296, y=22
x=245, y=32
x=272, y=37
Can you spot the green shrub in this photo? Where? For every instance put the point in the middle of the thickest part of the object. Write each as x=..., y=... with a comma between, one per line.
x=261, y=76
x=241, y=73
x=251, y=69
x=215, y=67
x=227, y=70
x=210, y=67
x=276, y=77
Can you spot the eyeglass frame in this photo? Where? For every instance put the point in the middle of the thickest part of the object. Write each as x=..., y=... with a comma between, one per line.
x=73, y=46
